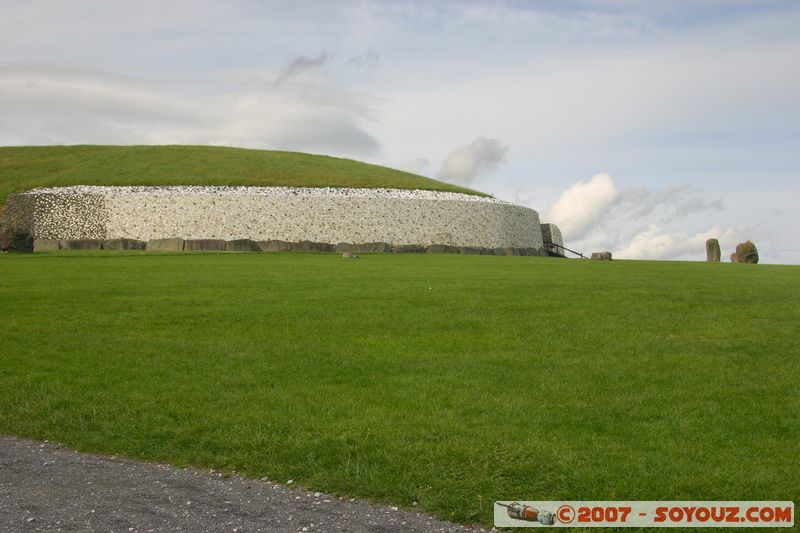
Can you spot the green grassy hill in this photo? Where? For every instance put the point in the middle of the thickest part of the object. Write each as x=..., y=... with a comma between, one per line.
x=446, y=380
x=27, y=167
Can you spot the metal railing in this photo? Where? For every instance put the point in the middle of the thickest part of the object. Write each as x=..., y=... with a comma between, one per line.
x=554, y=248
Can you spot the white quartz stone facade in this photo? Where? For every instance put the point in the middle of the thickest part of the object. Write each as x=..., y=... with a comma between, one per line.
x=328, y=215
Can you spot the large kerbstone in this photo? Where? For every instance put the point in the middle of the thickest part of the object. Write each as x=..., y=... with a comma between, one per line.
x=363, y=248
x=601, y=256
x=46, y=245
x=124, y=244
x=442, y=249
x=713, y=252
x=204, y=245
x=506, y=251
x=242, y=245
x=309, y=246
x=746, y=252
x=409, y=249
x=165, y=245
x=274, y=246
x=82, y=244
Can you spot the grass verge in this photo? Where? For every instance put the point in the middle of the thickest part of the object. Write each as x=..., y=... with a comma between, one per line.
x=451, y=381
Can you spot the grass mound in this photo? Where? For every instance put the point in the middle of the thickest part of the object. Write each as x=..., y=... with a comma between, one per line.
x=28, y=167
x=447, y=380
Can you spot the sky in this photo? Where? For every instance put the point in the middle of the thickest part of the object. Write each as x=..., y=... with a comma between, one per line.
x=643, y=128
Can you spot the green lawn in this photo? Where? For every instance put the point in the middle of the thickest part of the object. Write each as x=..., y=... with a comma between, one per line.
x=28, y=167
x=447, y=380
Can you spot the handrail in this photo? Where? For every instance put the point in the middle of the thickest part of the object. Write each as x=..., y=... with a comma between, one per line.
x=556, y=245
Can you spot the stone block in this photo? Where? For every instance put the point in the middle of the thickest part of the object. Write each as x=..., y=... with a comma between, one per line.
x=601, y=256
x=165, y=245
x=274, y=246
x=204, y=245
x=309, y=246
x=713, y=252
x=123, y=244
x=746, y=252
x=242, y=245
x=442, y=249
x=46, y=245
x=82, y=244
x=505, y=251
x=409, y=249
x=469, y=250
x=364, y=248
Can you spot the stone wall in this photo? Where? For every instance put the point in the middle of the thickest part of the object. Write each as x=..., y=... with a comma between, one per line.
x=324, y=215
x=551, y=234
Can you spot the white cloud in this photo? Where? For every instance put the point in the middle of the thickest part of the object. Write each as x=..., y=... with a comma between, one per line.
x=583, y=205
x=597, y=215
x=49, y=105
x=655, y=243
x=467, y=163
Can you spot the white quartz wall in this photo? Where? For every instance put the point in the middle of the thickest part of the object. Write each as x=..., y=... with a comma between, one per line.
x=281, y=213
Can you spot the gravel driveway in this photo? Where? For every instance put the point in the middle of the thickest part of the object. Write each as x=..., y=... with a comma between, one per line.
x=48, y=488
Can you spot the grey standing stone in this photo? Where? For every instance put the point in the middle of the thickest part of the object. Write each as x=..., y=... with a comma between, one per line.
x=165, y=245
x=746, y=252
x=713, y=252
x=734, y=259
x=123, y=244
x=204, y=245
x=46, y=245
x=242, y=245
x=601, y=256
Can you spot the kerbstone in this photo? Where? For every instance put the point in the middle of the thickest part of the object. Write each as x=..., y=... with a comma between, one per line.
x=46, y=245
x=410, y=249
x=82, y=244
x=601, y=256
x=242, y=245
x=124, y=244
x=165, y=245
x=204, y=245
x=443, y=249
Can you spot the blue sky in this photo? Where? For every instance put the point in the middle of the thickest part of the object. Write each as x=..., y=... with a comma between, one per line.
x=639, y=127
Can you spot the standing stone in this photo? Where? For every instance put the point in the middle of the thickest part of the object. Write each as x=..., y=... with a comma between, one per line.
x=734, y=258
x=746, y=252
x=713, y=252
x=601, y=256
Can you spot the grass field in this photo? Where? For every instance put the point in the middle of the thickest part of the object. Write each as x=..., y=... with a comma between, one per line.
x=27, y=167
x=447, y=380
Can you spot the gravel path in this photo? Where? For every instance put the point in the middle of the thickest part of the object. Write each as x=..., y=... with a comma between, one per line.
x=48, y=488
